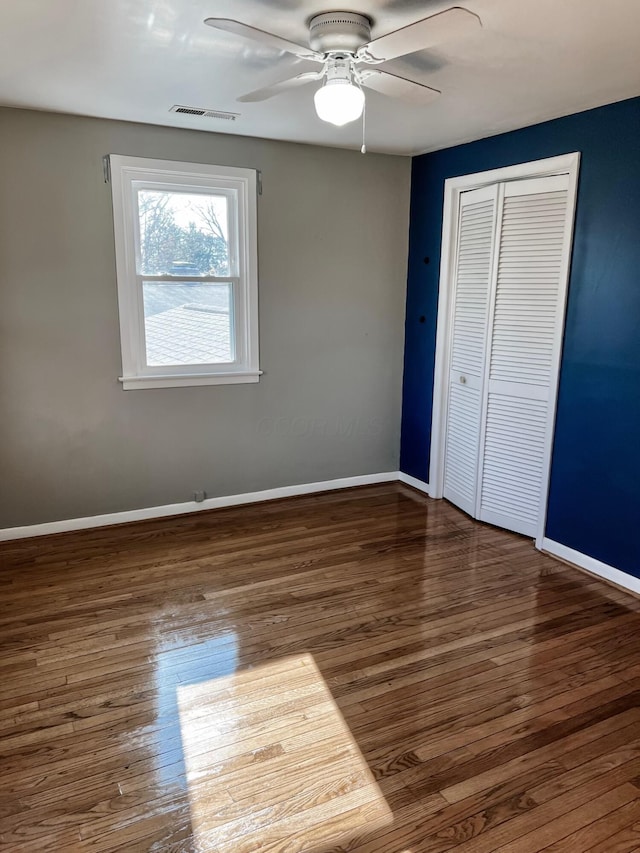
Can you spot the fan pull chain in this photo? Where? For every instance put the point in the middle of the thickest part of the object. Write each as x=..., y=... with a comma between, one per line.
x=363, y=150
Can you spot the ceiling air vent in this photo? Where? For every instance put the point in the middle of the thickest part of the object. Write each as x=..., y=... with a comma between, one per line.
x=198, y=111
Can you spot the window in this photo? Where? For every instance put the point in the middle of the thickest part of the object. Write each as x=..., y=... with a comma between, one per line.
x=186, y=252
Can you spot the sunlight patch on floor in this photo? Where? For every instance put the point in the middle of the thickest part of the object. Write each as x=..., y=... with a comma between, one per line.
x=269, y=759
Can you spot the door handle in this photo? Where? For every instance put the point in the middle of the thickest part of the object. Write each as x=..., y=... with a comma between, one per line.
x=463, y=380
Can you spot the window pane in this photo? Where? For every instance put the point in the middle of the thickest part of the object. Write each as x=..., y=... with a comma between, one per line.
x=188, y=323
x=185, y=234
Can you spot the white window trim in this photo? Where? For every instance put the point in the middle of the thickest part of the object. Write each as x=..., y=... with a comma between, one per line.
x=168, y=174
x=568, y=164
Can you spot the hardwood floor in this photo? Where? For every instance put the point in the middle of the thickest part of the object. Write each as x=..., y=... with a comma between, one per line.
x=361, y=671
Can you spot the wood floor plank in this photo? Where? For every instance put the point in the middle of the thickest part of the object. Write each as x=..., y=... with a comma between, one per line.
x=366, y=671
x=625, y=841
x=572, y=822
x=587, y=837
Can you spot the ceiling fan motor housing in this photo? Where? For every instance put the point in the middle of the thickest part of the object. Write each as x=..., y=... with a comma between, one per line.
x=334, y=32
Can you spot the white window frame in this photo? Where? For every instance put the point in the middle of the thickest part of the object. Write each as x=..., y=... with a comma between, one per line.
x=130, y=174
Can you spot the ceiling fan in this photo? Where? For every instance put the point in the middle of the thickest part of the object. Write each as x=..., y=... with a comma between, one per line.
x=341, y=43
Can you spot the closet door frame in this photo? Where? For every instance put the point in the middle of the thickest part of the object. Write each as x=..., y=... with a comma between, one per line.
x=566, y=164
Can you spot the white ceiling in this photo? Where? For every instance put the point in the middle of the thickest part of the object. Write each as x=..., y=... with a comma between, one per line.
x=134, y=59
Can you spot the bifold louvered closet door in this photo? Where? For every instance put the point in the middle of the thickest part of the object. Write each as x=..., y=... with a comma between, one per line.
x=476, y=239
x=508, y=314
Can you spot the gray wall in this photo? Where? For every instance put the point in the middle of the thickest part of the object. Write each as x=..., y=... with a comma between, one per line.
x=333, y=243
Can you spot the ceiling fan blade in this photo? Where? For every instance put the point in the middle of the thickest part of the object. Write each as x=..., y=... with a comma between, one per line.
x=267, y=39
x=283, y=86
x=445, y=26
x=398, y=87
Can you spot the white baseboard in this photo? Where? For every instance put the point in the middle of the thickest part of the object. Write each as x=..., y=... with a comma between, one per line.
x=590, y=564
x=9, y=533
x=420, y=485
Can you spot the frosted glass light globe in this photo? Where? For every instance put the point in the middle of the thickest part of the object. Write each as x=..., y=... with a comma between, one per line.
x=339, y=102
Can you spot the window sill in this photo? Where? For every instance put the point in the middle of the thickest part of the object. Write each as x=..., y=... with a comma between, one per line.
x=131, y=383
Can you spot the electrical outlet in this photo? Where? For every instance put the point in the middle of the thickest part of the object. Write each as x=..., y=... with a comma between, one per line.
x=199, y=496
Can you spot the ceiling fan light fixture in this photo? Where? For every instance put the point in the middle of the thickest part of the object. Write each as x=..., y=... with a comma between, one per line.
x=340, y=41
x=339, y=102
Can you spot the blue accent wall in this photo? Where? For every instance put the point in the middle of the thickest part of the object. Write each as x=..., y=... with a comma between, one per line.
x=594, y=502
